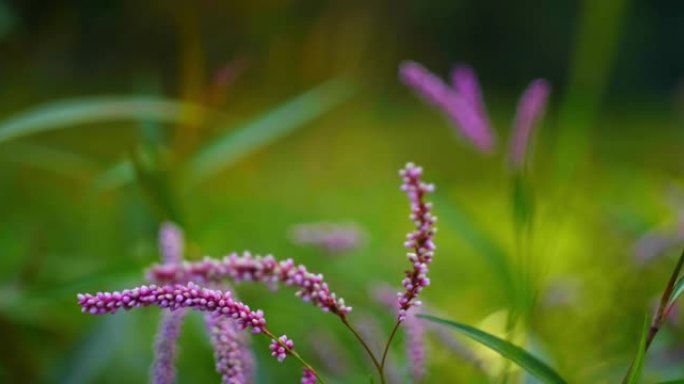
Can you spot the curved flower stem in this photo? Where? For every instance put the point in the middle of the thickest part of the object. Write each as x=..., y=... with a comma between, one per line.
x=364, y=344
x=384, y=353
x=663, y=309
x=294, y=354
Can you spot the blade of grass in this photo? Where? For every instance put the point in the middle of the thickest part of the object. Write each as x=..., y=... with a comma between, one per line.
x=524, y=359
x=267, y=128
x=677, y=291
x=114, y=177
x=635, y=370
x=66, y=113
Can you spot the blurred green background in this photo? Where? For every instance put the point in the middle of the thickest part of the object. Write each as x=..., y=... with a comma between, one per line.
x=293, y=114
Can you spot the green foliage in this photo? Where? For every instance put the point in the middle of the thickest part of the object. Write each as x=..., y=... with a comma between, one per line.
x=95, y=110
x=524, y=359
x=635, y=370
x=266, y=128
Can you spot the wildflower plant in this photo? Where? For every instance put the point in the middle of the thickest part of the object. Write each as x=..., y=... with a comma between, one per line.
x=178, y=286
x=207, y=286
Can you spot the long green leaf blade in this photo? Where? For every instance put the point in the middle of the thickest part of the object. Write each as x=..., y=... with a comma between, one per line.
x=67, y=113
x=267, y=128
x=525, y=360
x=677, y=291
x=635, y=370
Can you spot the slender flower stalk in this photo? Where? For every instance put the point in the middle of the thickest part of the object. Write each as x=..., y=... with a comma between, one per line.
x=171, y=243
x=421, y=246
x=234, y=360
x=165, y=349
x=456, y=106
x=530, y=110
x=174, y=297
x=164, y=367
x=312, y=287
x=420, y=241
x=415, y=333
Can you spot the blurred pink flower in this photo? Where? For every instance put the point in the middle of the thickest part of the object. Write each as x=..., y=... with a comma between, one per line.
x=458, y=107
x=530, y=110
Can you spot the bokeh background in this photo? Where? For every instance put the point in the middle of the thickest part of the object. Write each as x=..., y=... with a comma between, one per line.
x=303, y=120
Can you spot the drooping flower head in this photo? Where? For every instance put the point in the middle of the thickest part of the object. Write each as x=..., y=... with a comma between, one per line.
x=530, y=110
x=420, y=241
x=174, y=297
x=281, y=348
x=267, y=270
x=461, y=109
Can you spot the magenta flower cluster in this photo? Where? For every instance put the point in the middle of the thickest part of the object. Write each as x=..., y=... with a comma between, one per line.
x=246, y=267
x=174, y=297
x=308, y=377
x=420, y=241
x=281, y=347
x=472, y=123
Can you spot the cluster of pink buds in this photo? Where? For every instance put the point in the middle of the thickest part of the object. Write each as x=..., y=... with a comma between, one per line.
x=174, y=297
x=308, y=377
x=246, y=267
x=280, y=348
x=419, y=242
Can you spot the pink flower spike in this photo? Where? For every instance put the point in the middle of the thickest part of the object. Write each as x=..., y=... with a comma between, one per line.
x=419, y=242
x=234, y=360
x=465, y=83
x=278, y=349
x=163, y=368
x=471, y=123
x=267, y=270
x=171, y=243
x=308, y=377
x=174, y=297
x=530, y=110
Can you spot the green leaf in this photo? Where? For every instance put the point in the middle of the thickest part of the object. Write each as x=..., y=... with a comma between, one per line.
x=267, y=128
x=524, y=359
x=679, y=381
x=523, y=202
x=114, y=177
x=464, y=225
x=49, y=159
x=677, y=291
x=635, y=370
x=66, y=113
